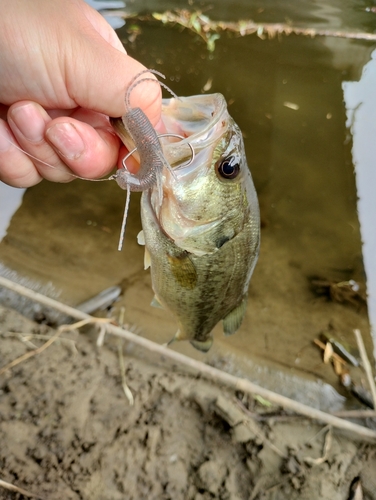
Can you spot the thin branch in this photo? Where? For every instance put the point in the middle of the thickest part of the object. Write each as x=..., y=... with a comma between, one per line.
x=30, y=354
x=101, y=336
x=326, y=451
x=366, y=365
x=355, y=414
x=51, y=340
x=200, y=368
x=16, y=489
x=126, y=389
x=24, y=337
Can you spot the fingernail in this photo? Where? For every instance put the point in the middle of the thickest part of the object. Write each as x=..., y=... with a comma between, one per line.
x=65, y=138
x=29, y=122
x=6, y=140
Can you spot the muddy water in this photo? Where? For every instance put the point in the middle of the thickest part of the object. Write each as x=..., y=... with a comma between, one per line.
x=286, y=95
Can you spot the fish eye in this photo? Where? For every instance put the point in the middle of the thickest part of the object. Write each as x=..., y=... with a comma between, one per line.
x=228, y=168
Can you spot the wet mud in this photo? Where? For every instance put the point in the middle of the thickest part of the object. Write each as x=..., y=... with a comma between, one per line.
x=68, y=431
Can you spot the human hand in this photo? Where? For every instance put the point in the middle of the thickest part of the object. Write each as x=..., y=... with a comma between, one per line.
x=63, y=71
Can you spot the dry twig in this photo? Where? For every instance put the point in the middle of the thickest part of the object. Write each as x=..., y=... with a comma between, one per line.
x=326, y=450
x=218, y=376
x=355, y=414
x=16, y=489
x=26, y=337
x=51, y=340
x=30, y=354
x=127, y=391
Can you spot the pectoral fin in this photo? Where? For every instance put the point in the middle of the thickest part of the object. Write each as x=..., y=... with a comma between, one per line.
x=183, y=270
x=147, y=259
x=232, y=322
x=141, y=238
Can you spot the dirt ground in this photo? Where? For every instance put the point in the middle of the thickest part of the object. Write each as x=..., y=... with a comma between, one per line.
x=67, y=431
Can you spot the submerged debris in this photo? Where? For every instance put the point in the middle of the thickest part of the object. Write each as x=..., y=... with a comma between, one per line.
x=363, y=395
x=103, y=300
x=333, y=351
x=209, y=30
x=339, y=348
x=348, y=292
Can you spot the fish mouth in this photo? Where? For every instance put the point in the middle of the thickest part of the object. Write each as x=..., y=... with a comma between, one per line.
x=200, y=120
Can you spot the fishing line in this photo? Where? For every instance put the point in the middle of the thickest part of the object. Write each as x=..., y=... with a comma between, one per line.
x=124, y=221
x=51, y=166
x=133, y=83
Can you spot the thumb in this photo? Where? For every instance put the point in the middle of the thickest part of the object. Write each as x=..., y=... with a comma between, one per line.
x=100, y=76
x=102, y=27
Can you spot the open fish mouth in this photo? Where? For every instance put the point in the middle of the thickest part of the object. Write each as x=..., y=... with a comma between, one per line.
x=200, y=120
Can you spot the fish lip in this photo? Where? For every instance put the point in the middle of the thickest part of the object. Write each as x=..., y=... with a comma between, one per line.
x=147, y=204
x=219, y=107
x=213, y=109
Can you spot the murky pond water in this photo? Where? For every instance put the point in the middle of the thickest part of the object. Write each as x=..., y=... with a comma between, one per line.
x=286, y=95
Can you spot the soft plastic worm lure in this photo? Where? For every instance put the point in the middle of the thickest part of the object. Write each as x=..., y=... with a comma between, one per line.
x=146, y=140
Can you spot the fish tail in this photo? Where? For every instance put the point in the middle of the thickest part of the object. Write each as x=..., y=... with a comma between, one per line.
x=202, y=346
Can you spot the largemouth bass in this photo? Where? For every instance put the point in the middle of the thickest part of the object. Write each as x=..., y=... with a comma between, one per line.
x=201, y=223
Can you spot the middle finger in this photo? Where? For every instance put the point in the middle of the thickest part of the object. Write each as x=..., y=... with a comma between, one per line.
x=28, y=121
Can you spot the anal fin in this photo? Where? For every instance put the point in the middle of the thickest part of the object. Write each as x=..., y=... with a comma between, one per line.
x=232, y=322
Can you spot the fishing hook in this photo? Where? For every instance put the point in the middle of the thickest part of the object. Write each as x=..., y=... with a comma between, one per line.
x=164, y=135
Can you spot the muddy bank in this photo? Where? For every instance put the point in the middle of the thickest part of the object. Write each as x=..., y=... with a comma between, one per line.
x=68, y=431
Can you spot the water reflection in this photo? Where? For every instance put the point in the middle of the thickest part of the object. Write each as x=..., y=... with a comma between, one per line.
x=104, y=5
x=360, y=99
x=346, y=14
